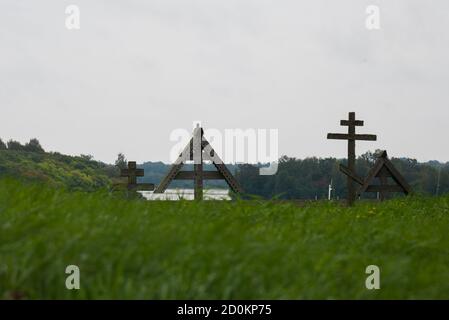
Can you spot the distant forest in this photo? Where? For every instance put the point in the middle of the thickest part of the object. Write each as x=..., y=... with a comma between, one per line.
x=296, y=178
x=30, y=162
x=310, y=178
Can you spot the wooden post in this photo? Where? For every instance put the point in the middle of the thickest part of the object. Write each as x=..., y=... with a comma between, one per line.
x=198, y=163
x=383, y=176
x=383, y=183
x=351, y=157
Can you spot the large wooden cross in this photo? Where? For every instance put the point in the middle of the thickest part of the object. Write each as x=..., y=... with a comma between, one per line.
x=132, y=173
x=351, y=136
x=198, y=149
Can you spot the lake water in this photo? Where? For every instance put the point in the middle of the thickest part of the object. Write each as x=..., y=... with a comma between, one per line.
x=187, y=194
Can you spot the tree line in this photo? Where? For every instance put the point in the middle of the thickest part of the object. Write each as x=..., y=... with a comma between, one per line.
x=307, y=178
x=30, y=162
x=310, y=178
x=32, y=146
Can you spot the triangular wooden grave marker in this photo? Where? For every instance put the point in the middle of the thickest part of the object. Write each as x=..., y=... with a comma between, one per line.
x=382, y=169
x=198, y=149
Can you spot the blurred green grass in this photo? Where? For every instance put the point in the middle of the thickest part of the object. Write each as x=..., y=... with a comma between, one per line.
x=134, y=249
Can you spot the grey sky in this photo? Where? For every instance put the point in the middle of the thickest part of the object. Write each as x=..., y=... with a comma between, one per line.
x=138, y=69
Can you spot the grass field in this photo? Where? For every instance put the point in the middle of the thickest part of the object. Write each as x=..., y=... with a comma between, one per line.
x=131, y=249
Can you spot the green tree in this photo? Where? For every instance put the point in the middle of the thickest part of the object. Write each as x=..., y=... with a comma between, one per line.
x=121, y=161
x=87, y=157
x=2, y=145
x=15, y=145
x=34, y=146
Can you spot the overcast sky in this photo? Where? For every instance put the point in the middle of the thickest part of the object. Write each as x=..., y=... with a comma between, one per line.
x=137, y=69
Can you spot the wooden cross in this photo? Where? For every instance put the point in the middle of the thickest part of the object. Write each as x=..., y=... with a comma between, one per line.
x=132, y=173
x=351, y=136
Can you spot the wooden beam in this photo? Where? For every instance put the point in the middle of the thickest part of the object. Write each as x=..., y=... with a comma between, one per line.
x=371, y=174
x=351, y=159
x=384, y=188
x=207, y=175
x=135, y=172
x=358, y=123
x=175, y=168
x=221, y=167
x=198, y=181
x=198, y=163
x=397, y=177
x=204, y=144
x=229, y=178
x=351, y=174
x=383, y=173
x=352, y=137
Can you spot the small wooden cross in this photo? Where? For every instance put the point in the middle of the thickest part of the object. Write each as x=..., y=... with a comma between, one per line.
x=351, y=136
x=132, y=173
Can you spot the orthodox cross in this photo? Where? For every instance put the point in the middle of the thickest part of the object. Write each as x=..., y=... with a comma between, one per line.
x=351, y=136
x=132, y=173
